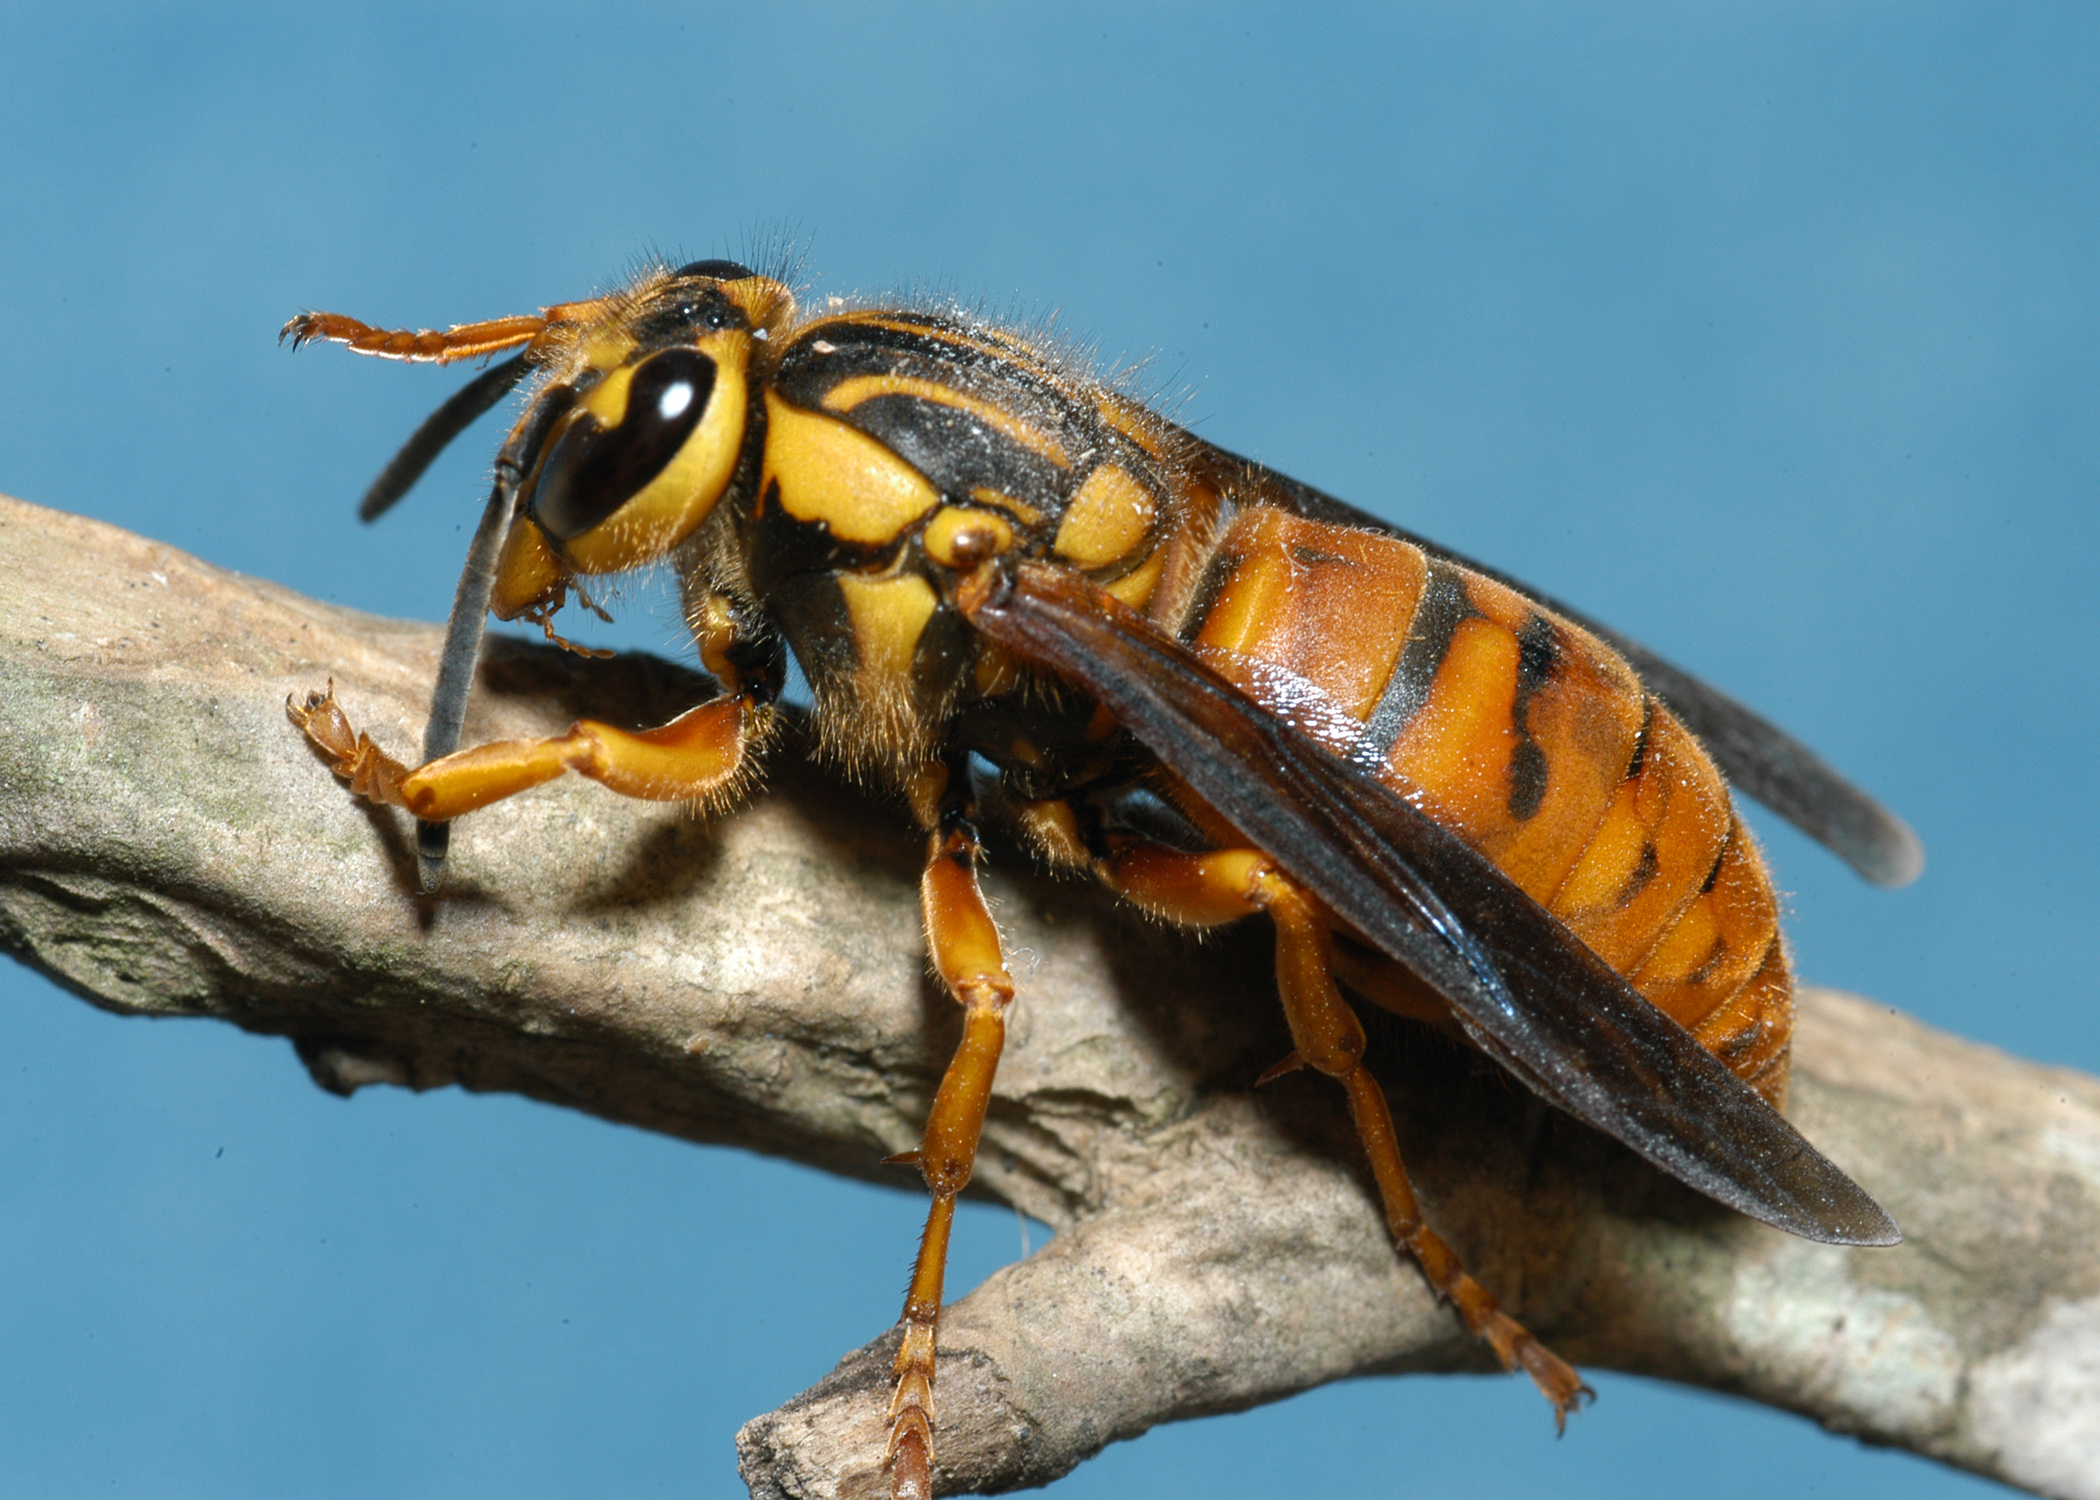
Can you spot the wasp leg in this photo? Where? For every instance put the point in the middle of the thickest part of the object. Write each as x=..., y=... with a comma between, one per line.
x=429, y=345
x=1202, y=889
x=964, y=943
x=693, y=758
x=416, y=345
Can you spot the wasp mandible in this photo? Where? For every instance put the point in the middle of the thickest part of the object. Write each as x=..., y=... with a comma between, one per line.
x=1219, y=691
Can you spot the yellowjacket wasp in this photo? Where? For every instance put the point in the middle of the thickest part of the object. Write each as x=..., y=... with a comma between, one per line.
x=1219, y=690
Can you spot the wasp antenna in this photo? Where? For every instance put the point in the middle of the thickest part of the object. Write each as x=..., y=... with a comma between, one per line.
x=448, y=699
x=459, y=412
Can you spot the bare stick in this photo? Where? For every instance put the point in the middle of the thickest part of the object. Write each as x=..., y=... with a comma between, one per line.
x=168, y=845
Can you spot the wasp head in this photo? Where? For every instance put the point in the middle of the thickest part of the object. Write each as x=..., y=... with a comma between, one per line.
x=639, y=430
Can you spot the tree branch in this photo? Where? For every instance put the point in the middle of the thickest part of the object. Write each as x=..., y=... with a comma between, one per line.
x=169, y=846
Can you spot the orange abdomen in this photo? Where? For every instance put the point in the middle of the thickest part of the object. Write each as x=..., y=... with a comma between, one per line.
x=1527, y=737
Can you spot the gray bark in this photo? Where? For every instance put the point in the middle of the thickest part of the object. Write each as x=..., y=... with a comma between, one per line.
x=168, y=845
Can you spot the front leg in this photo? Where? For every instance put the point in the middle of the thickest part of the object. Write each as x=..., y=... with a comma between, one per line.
x=697, y=757
x=964, y=944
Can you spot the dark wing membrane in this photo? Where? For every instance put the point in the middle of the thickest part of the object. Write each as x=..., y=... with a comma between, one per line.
x=1760, y=759
x=1525, y=988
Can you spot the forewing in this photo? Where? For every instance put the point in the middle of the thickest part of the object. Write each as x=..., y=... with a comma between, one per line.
x=1760, y=759
x=1528, y=992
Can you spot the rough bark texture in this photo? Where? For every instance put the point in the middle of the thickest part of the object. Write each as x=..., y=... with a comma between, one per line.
x=169, y=846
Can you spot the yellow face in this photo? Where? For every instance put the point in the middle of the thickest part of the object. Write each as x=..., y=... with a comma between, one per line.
x=647, y=436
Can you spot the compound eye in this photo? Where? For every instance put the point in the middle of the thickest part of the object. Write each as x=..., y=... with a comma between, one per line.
x=592, y=470
x=721, y=270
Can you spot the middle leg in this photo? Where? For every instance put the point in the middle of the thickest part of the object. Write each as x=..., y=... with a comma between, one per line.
x=964, y=943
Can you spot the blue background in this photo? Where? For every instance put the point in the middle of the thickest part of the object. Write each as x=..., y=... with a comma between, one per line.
x=1769, y=337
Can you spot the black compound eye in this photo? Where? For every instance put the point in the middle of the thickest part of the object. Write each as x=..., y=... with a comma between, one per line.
x=593, y=470
x=721, y=270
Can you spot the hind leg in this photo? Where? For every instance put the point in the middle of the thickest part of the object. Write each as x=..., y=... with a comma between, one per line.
x=1201, y=889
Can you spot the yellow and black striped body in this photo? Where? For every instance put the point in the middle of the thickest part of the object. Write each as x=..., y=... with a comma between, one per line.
x=823, y=483
x=1530, y=739
x=883, y=432
x=1012, y=587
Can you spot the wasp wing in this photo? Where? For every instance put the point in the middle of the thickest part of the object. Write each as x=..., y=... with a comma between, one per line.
x=1530, y=993
x=1761, y=759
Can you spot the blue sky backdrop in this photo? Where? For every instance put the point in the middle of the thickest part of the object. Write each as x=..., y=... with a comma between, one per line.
x=1769, y=334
